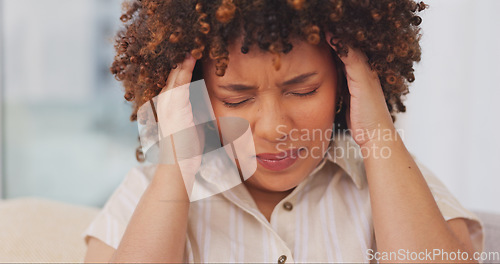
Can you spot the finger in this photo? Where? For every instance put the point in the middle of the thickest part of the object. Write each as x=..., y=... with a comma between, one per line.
x=182, y=74
x=357, y=68
x=174, y=104
x=172, y=76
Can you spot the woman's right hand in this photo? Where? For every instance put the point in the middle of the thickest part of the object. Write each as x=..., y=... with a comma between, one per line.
x=180, y=142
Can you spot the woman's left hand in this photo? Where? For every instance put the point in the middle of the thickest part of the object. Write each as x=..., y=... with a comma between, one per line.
x=367, y=117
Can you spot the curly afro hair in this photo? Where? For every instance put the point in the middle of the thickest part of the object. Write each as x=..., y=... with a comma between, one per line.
x=157, y=34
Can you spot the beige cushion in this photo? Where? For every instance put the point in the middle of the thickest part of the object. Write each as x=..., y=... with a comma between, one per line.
x=491, y=224
x=41, y=230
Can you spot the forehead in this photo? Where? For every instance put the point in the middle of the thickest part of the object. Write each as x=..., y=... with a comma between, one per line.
x=302, y=57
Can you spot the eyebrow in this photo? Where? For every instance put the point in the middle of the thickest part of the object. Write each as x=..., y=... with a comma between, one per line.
x=295, y=80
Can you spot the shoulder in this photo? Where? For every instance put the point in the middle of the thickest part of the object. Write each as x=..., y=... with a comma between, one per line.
x=451, y=209
x=143, y=173
x=110, y=223
x=126, y=196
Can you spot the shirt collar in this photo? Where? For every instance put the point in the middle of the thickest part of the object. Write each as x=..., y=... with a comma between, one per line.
x=343, y=151
x=346, y=153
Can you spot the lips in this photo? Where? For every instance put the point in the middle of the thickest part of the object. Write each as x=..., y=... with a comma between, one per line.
x=277, y=156
x=278, y=161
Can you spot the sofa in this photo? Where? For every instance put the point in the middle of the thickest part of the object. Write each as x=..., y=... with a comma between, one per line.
x=41, y=230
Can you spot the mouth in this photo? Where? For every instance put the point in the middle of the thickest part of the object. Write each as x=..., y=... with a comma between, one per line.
x=278, y=161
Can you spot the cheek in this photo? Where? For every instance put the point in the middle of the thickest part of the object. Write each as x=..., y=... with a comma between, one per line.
x=216, y=106
x=317, y=112
x=220, y=110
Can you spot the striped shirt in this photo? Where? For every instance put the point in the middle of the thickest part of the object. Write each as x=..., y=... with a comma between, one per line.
x=326, y=218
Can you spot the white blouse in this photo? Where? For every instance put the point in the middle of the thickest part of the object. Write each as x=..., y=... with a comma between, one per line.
x=326, y=218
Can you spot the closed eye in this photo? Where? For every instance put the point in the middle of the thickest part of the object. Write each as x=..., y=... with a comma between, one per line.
x=235, y=104
x=306, y=94
x=246, y=100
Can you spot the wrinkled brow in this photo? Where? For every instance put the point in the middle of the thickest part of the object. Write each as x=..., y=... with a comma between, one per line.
x=295, y=80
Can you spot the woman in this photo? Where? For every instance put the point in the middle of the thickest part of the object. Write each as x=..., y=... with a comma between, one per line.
x=289, y=68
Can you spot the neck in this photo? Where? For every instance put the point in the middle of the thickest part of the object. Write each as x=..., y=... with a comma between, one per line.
x=266, y=200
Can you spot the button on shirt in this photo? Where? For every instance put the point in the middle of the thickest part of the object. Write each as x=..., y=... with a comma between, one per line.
x=326, y=218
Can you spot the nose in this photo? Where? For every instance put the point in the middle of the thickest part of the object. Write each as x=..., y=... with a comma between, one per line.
x=272, y=122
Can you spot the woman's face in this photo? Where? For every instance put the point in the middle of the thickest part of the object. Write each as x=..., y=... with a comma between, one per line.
x=290, y=111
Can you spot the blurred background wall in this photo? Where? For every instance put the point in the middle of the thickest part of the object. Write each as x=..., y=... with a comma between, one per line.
x=66, y=133
x=452, y=123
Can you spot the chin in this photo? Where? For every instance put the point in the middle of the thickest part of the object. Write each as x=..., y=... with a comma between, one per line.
x=274, y=182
